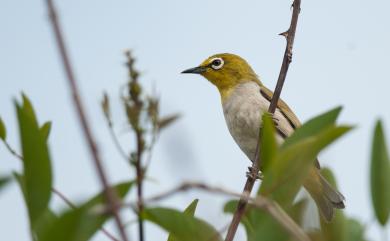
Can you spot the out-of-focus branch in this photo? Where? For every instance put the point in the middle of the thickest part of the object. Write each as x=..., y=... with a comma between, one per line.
x=271, y=207
x=290, y=36
x=57, y=192
x=110, y=195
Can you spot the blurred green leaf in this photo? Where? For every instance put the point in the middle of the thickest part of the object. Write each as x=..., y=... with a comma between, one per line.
x=337, y=228
x=313, y=126
x=36, y=162
x=4, y=181
x=81, y=223
x=268, y=143
x=297, y=211
x=46, y=219
x=181, y=225
x=3, y=131
x=287, y=172
x=166, y=121
x=380, y=175
x=190, y=211
x=45, y=129
x=258, y=224
x=28, y=108
x=20, y=179
x=121, y=190
x=106, y=108
x=355, y=231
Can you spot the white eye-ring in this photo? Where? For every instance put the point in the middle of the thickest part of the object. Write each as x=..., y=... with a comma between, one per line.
x=216, y=63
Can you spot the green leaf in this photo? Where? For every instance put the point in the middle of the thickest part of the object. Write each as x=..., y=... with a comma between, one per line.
x=268, y=143
x=28, y=108
x=47, y=218
x=287, y=172
x=20, y=179
x=81, y=223
x=182, y=226
x=355, y=231
x=258, y=224
x=380, y=175
x=313, y=126
x=166, y=121
x=121, y=190
x=36, y=162
x=106, y=108
x=3, y=131
x=337, y=228
x=190, y=211
x=4, y=181
x=45, y=129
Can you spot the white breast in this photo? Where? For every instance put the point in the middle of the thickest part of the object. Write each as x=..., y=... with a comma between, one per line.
x=243, y=111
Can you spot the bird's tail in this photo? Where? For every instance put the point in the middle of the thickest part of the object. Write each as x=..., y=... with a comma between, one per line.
x=325, y=196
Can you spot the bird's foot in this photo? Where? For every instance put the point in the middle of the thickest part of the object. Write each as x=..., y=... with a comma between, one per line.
x=275, y=120
x=250, y=174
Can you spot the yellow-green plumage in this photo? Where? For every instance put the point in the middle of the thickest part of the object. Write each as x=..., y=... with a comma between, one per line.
x=244, y=100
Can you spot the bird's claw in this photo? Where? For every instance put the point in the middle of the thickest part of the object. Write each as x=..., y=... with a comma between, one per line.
x=276, y=121
x=250, y=174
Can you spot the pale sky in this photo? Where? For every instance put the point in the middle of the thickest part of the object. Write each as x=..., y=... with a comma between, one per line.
x=341, y=57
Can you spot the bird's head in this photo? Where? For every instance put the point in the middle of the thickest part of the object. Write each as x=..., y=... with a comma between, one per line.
x=225, y=71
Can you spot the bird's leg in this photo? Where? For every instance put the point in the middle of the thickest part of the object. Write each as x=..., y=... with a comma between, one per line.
x=250, y=174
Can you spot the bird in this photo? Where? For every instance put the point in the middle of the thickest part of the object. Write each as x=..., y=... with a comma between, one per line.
x=244, y=100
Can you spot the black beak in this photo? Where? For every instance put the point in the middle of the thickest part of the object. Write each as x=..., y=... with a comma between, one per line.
x=196, y=70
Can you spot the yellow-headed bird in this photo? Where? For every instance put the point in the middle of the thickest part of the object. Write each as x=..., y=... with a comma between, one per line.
x=244, y=100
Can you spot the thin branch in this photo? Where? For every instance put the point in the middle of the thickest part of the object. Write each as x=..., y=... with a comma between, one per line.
x=12, y=151
x=290, y=35
x=117, y=143
x=57, y=192
x=140, y=174
x=110, y=195
x=271, y=207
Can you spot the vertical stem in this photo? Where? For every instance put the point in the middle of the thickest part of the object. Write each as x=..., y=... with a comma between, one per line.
x=110, y=195
x=290, y=35
x=140, y=174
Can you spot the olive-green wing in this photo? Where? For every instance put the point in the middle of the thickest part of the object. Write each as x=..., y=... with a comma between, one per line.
x=286, y=111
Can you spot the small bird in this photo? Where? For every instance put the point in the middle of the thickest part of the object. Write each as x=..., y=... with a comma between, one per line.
x=244, y=100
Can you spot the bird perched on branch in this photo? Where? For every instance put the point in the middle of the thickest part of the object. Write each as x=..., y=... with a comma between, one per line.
x=244, y=100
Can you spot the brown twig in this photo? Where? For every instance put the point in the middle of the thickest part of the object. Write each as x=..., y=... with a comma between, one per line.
x=290, y=35
x=110, y=195
x=57, y=192
x=271, y=207
x=140, y=174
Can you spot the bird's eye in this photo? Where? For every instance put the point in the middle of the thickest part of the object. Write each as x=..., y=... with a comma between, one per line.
x=217, y=63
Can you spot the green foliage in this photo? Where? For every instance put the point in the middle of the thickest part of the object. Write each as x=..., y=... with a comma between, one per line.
x=37, y=175
x=287, y=168
x=105, y=104
x=268, y=145
x=81, y=223
x=45, y=129
x=259, y=225
x=182, y=226
x=190, y=211
x=3, y=131
x=313, y=126
x=341, y=227
x=355, y=230
x=337, y=229
x=380, y=175
x=4, y=181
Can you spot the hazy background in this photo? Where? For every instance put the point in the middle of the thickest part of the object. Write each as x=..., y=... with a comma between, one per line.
x=341, y=57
